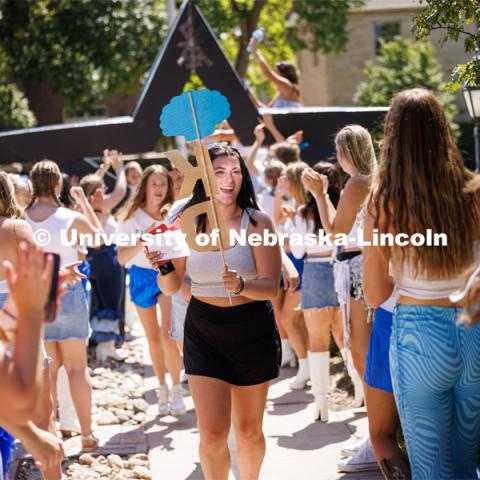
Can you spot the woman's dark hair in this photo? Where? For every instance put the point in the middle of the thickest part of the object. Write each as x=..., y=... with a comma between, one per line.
x=65, y=197
x=335, y=185
x=288, y=70
x=246, y=197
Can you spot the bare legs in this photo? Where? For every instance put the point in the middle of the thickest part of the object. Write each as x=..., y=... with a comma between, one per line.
x=218, y=404
x=72, y=354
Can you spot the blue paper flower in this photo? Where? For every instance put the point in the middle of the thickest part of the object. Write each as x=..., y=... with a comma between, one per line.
x=211, y=107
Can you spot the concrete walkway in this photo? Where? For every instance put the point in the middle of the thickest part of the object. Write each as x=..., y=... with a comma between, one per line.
x=297, y=448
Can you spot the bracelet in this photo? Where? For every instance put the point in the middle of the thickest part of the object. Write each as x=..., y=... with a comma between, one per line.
x=166, y=268
x=242, y=286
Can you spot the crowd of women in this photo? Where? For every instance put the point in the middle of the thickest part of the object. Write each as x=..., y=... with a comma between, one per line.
x=404, y=318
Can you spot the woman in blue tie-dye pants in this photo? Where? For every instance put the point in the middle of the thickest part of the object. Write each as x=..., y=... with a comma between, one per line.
x=421, y=184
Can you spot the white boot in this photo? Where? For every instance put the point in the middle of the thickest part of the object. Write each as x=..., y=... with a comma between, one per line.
x=303, y=375
x=357, y=382
x=288, y=355
x=319, y=363
x=106, y=350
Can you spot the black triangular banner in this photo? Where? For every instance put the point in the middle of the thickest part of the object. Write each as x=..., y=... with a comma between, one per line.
x=190, y=45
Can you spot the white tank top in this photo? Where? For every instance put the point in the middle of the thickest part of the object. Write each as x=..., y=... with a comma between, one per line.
x=3, y=286
x=61, y=220
x=354, y=232
x=420, y=287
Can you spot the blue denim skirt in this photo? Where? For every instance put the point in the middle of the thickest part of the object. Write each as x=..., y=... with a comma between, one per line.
x=72, y=321
x=3, y=298
x=318, y=289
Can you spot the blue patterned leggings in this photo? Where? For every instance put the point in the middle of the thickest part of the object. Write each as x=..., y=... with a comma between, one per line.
x=435, y=367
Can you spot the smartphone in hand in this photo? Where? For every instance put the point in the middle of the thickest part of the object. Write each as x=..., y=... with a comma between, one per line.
x=51, y=306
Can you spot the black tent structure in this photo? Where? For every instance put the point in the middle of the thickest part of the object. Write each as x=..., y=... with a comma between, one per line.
x=191, y=46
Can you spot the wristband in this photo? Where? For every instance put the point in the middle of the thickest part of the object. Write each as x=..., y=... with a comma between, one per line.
x=166, y=268
x=242, y=286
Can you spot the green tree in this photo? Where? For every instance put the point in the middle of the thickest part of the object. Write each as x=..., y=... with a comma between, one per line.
x=451, y=18
x=403, y=64
x=89, y=48
x=14, y=109
x=290, y=25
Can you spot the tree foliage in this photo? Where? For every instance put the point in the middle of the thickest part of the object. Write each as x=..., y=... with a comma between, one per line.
x=14, y=109
x=452, y=18
x=290, y=25
x=403, y=64
x=89, y=48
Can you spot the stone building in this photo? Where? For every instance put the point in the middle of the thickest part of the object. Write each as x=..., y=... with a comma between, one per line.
x=331, y=80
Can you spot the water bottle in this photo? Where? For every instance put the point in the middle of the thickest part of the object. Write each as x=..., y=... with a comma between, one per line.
x=257, y=35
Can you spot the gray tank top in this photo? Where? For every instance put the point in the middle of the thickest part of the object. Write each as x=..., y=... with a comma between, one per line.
x=205, y=268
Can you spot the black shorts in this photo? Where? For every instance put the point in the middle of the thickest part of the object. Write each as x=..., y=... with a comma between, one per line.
x=239, y=345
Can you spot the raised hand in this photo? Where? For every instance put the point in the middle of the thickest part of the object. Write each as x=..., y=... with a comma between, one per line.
x=29, y=282
x=314, y=182
x=259, y=133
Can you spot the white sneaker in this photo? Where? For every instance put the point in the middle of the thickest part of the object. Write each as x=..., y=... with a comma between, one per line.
x=177, y=404
x=363, y=461
x=107, y=350
x=352, y=448
x=163, y=406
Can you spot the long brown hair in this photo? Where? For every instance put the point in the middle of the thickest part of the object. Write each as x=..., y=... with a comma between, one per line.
x=45, y=176
x=9, y=207
x=139, y=199
x=335, y=185
x=420, y=184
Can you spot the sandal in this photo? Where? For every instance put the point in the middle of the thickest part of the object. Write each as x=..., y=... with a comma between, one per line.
x=89, y=443
x=68, y=434
x=397, y=468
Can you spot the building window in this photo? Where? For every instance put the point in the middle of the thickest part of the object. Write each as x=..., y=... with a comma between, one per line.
x=385, y=31
x=94, y=112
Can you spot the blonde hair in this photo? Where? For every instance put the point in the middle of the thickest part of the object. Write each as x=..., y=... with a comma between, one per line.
x=294, y=175
x=140, y=198
x=9, y=208
x=355, y=144
x=45, y=176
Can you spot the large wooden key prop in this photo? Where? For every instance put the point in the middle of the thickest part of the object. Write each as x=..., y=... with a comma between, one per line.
x=194, y=115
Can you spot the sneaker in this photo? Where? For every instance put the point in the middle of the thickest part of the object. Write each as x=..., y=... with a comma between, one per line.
x=163, y=406
x=363, y=461
x=177, y=404
x=352, y=448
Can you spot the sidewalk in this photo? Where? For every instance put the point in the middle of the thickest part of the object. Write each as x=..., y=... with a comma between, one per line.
x=297, y=448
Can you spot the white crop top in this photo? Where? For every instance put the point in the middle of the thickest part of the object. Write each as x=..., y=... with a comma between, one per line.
x=59, y=221
x=300, y=244
x=205, y=268
x=420, y=287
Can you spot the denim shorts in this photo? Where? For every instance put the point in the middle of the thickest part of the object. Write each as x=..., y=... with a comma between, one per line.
x=143, y=286
x=3, y=298
x=318, y=285
x=179, y=311
x=377, y=370
x=72, y=320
